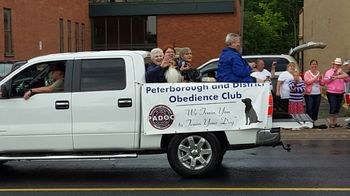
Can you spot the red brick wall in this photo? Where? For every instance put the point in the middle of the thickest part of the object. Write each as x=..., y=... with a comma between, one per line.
x=35, y=21
x=203, y=33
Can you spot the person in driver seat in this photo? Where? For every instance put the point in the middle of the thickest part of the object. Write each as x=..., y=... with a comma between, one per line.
x=57, y=74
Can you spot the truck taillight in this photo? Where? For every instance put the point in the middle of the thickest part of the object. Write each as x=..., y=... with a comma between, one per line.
x=270, y=99
x=270, y=107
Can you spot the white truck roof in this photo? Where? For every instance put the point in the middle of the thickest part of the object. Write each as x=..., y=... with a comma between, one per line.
x=78, y=55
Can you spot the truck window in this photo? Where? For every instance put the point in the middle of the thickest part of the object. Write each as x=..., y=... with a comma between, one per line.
x=103, y=74
x=35, y=76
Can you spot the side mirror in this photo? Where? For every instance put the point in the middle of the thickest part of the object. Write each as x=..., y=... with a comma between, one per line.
x=4, y=93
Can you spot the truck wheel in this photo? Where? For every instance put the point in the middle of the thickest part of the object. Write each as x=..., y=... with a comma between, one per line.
x=194, y=155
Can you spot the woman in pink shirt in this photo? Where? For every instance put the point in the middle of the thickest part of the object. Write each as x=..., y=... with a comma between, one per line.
x=313, y=90
x=335, y=84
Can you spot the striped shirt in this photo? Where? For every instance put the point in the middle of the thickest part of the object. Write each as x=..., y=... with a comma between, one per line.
x=296, y=91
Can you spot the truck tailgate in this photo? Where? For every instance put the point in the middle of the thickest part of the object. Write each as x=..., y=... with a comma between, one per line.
x=292, y=121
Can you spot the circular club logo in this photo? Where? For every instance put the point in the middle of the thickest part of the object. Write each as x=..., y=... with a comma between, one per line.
x=161, y=117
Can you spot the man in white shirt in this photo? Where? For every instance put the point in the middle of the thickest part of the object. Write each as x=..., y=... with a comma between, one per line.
x=261, y=74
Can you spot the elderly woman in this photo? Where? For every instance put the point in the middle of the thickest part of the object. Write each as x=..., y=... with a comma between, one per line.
x=232, y=67
x=155, y=71
x=184, y=63
x=283, y=91
x=335, y=83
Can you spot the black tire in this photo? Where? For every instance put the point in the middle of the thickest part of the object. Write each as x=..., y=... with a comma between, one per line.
x=194, y=155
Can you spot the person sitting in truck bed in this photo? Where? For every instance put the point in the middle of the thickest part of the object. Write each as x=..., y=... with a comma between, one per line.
x=57, y=74
x=155, y=71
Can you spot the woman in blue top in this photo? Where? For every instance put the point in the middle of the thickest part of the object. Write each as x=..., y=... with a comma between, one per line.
x=155, y=71
x=232, y=67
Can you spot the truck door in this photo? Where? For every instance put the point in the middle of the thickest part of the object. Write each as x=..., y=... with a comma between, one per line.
x=103, y=104
x=41, y=123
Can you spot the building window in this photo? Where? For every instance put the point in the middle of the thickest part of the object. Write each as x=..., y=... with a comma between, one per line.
x=61, y=36
x=125, y=32
x=77, y=37
x=69, y=36
x=83, y=37
x=8, y=33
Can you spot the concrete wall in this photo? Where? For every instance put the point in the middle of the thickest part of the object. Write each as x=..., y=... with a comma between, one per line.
x=38, y=21
x=203, y=33
x=327, y=21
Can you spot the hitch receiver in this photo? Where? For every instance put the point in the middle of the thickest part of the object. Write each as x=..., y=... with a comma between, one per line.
x=287, y=148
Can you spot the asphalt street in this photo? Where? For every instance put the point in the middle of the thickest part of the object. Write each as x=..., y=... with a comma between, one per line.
x=313, y=167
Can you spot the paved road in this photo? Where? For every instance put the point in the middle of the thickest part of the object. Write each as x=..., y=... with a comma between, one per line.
x=313, y=167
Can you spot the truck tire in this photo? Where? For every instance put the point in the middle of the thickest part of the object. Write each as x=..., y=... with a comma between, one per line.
x=194, y=155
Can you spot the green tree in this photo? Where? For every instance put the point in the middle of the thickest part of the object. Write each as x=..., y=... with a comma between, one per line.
x=270, y=26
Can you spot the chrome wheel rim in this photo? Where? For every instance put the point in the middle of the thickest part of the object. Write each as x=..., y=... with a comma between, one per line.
x=194, y=152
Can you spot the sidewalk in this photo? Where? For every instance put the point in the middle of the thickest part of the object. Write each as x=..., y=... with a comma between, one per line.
x=340, y=133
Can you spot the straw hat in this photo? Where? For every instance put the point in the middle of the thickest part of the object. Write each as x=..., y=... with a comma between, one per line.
x=338, y=61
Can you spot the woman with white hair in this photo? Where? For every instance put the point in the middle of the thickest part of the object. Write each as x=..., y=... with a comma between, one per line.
x=155, y=71
x=188, y=72
x=232, y=67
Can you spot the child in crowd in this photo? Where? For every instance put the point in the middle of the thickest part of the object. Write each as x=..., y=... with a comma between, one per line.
x=296, y=98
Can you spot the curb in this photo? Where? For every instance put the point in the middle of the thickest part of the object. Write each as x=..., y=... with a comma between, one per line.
x=316, y=134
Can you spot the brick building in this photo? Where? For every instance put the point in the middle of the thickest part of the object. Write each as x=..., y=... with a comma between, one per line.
x=33, y=28
x=144, y=24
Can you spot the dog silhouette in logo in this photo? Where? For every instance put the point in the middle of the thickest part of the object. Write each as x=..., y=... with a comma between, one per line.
x=250, y=113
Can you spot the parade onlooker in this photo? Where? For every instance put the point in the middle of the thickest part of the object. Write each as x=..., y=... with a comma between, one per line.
x=346, y=67
x=296, y=95
x=232, y=67
x=283, y=91
x=335, y=83
x=262, y=74
x=313, y=90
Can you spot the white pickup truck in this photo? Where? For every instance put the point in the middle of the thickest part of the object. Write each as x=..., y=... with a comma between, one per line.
x=107, y=111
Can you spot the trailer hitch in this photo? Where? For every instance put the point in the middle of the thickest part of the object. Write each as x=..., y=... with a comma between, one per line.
x=286, y=147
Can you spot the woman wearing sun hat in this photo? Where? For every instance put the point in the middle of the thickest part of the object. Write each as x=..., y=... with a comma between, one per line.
x=335, y=84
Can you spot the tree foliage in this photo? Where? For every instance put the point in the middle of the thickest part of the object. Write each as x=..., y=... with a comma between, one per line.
x=270, y=26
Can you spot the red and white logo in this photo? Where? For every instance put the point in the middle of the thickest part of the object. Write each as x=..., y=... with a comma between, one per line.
x=161, y=117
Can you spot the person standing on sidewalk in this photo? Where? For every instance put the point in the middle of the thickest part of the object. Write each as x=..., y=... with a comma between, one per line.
x=283, y=91
x=335, y=83
x=296, y=95
x=346, y=67
x=313, y=79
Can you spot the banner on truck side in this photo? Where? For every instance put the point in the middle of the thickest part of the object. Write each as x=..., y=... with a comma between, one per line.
x=196, y=107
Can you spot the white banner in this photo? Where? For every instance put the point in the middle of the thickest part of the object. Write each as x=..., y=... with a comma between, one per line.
x=196, y=107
